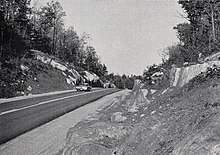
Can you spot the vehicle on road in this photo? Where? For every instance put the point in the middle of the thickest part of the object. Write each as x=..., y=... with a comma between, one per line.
x=84, y=87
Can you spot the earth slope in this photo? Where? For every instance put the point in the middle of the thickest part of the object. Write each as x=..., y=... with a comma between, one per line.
x=180, y=121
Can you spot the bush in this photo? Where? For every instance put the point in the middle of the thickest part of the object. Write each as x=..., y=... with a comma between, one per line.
x=11, y=79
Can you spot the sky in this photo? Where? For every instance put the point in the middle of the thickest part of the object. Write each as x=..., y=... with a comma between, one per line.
x=128, y=35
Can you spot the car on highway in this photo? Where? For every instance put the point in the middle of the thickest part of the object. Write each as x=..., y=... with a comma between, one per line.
x=84, y=87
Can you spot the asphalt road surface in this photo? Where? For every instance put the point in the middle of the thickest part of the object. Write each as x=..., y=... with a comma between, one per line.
x=20, y=116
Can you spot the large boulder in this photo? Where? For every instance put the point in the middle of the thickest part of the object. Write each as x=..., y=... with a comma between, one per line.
x=137, y=98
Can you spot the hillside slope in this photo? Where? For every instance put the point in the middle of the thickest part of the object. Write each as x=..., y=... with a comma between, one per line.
x=37, y=72
x=180, y=121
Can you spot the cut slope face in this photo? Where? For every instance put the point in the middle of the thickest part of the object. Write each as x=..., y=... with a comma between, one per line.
x=44, y=73
x=106, y=132
x=71, y=74
x=174, y=123
x=90, y=76
x=49, y=81
x=181, y=76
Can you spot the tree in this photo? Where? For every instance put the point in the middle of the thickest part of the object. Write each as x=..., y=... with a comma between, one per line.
x=69, y=47
x=55, y=12
x=104, y=70
x=129, y=83
x=91, y=60
x=14, y=28
x=119, y=82
x=201, y=34
x=149, y=72
x=48, y=27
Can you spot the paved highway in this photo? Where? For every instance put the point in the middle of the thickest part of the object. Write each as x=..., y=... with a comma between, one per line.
x=20, y=116
x=16, y=104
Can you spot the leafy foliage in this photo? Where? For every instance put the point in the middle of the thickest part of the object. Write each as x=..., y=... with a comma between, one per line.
x=15, y=28
x=199, y=37
x=129, y=83
x=23, y=28
x=11, y=79
x=119, y=83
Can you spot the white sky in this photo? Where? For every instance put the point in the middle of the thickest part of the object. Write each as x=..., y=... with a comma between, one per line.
x=127, y=34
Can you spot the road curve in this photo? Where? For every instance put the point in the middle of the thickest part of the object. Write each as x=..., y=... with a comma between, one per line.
x=22, y=116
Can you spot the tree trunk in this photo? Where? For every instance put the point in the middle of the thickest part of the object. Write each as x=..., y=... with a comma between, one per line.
x=213, y=24
x=1, y=48
x=55, y=43
x=53, y=51
x=210, y=44
x=2, y=37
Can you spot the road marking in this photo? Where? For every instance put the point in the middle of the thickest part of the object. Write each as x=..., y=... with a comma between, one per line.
x=19, y=98
x=49, y=101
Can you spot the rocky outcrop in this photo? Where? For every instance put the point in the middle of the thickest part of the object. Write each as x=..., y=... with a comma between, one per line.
x=137, y=98
x=181, y=76
x=90, y=76
x=70, y=74
x=175, y=123
x=94, y=138
x=106, y=133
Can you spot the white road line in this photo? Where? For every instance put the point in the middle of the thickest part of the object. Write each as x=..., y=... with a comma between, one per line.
x=19, y=98
x=58, y=99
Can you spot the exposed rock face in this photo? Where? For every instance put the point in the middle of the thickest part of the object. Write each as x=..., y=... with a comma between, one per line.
x=106, y=133
x=181, y=76
x=205, y=141
x=90, y=76
x=94, y=138
x=131, y=125
x=137, y=98
x=72, y=76
x=187, y=126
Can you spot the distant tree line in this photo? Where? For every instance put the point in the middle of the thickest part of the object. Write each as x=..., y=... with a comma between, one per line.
x=122, y=81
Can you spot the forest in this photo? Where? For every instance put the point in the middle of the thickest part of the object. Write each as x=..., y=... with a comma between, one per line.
x=199, y=37
x=25, y=25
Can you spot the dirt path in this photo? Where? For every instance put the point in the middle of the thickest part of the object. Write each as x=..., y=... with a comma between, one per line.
x=50, y=138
